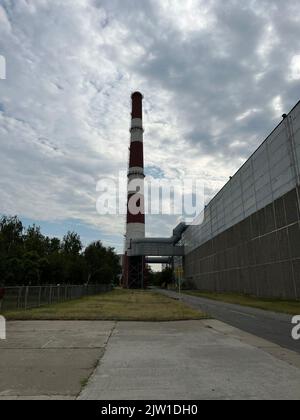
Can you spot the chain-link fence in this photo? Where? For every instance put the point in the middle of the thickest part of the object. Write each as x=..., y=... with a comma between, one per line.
x=27, y=297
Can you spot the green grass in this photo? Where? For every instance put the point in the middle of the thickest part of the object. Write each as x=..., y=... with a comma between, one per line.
x=283, y=306
x=84, y=382
x=118, y=305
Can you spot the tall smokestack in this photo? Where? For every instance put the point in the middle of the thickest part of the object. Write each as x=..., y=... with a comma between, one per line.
x=133, y=272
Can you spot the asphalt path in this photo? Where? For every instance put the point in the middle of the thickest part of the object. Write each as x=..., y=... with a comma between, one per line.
x=271, y=326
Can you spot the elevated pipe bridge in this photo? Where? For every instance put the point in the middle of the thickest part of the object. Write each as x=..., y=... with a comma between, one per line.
x=159, y=247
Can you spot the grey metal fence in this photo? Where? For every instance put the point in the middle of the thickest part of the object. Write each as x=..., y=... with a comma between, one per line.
x=27, y=297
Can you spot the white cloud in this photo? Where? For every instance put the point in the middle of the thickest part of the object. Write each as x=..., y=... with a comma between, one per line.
x=277, y=105
x=268, y=43
x=295, y=68
x=188, y=16
x=247, y=114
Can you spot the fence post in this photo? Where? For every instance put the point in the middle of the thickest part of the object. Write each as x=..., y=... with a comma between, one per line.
x=50, y=295
x=26, y=297
x=19, y=296
x=40, y=295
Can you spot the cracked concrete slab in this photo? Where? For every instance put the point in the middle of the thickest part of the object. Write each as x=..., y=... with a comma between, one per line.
x=188, y=360
x=50, y=359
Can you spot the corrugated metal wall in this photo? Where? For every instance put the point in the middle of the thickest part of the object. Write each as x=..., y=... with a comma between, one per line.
x=219, y=252
x=272, y=171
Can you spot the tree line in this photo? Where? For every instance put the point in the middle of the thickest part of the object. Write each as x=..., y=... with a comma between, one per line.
x=161, y=279
x=27, y=257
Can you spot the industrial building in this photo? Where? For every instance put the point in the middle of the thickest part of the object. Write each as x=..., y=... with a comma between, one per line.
x=248, y=240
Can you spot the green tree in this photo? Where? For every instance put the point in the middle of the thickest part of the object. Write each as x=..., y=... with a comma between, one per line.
x=27, y=257
x=53, y=245
x=34, y=241
x=102, y=263
x=11, y=235
x=11, y=250
x=72, y=244
x=32, y=272
x=166, y=277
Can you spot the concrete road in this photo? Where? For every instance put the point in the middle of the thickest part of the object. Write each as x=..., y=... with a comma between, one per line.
x=50, y=360
x=177, y=360
x=192, y=360
x=270, y=326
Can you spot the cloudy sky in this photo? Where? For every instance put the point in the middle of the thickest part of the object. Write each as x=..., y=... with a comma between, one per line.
x=216, y=75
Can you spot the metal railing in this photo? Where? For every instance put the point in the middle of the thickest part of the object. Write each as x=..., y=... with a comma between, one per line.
x=28, y=297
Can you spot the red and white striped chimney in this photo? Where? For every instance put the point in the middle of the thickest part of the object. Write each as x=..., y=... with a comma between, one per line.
x=135, y=228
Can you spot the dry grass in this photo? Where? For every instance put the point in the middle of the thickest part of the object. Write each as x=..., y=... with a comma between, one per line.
x=119, y=305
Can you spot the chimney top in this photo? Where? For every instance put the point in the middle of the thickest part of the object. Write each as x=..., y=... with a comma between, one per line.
x=137, y=106
x=136, y=94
